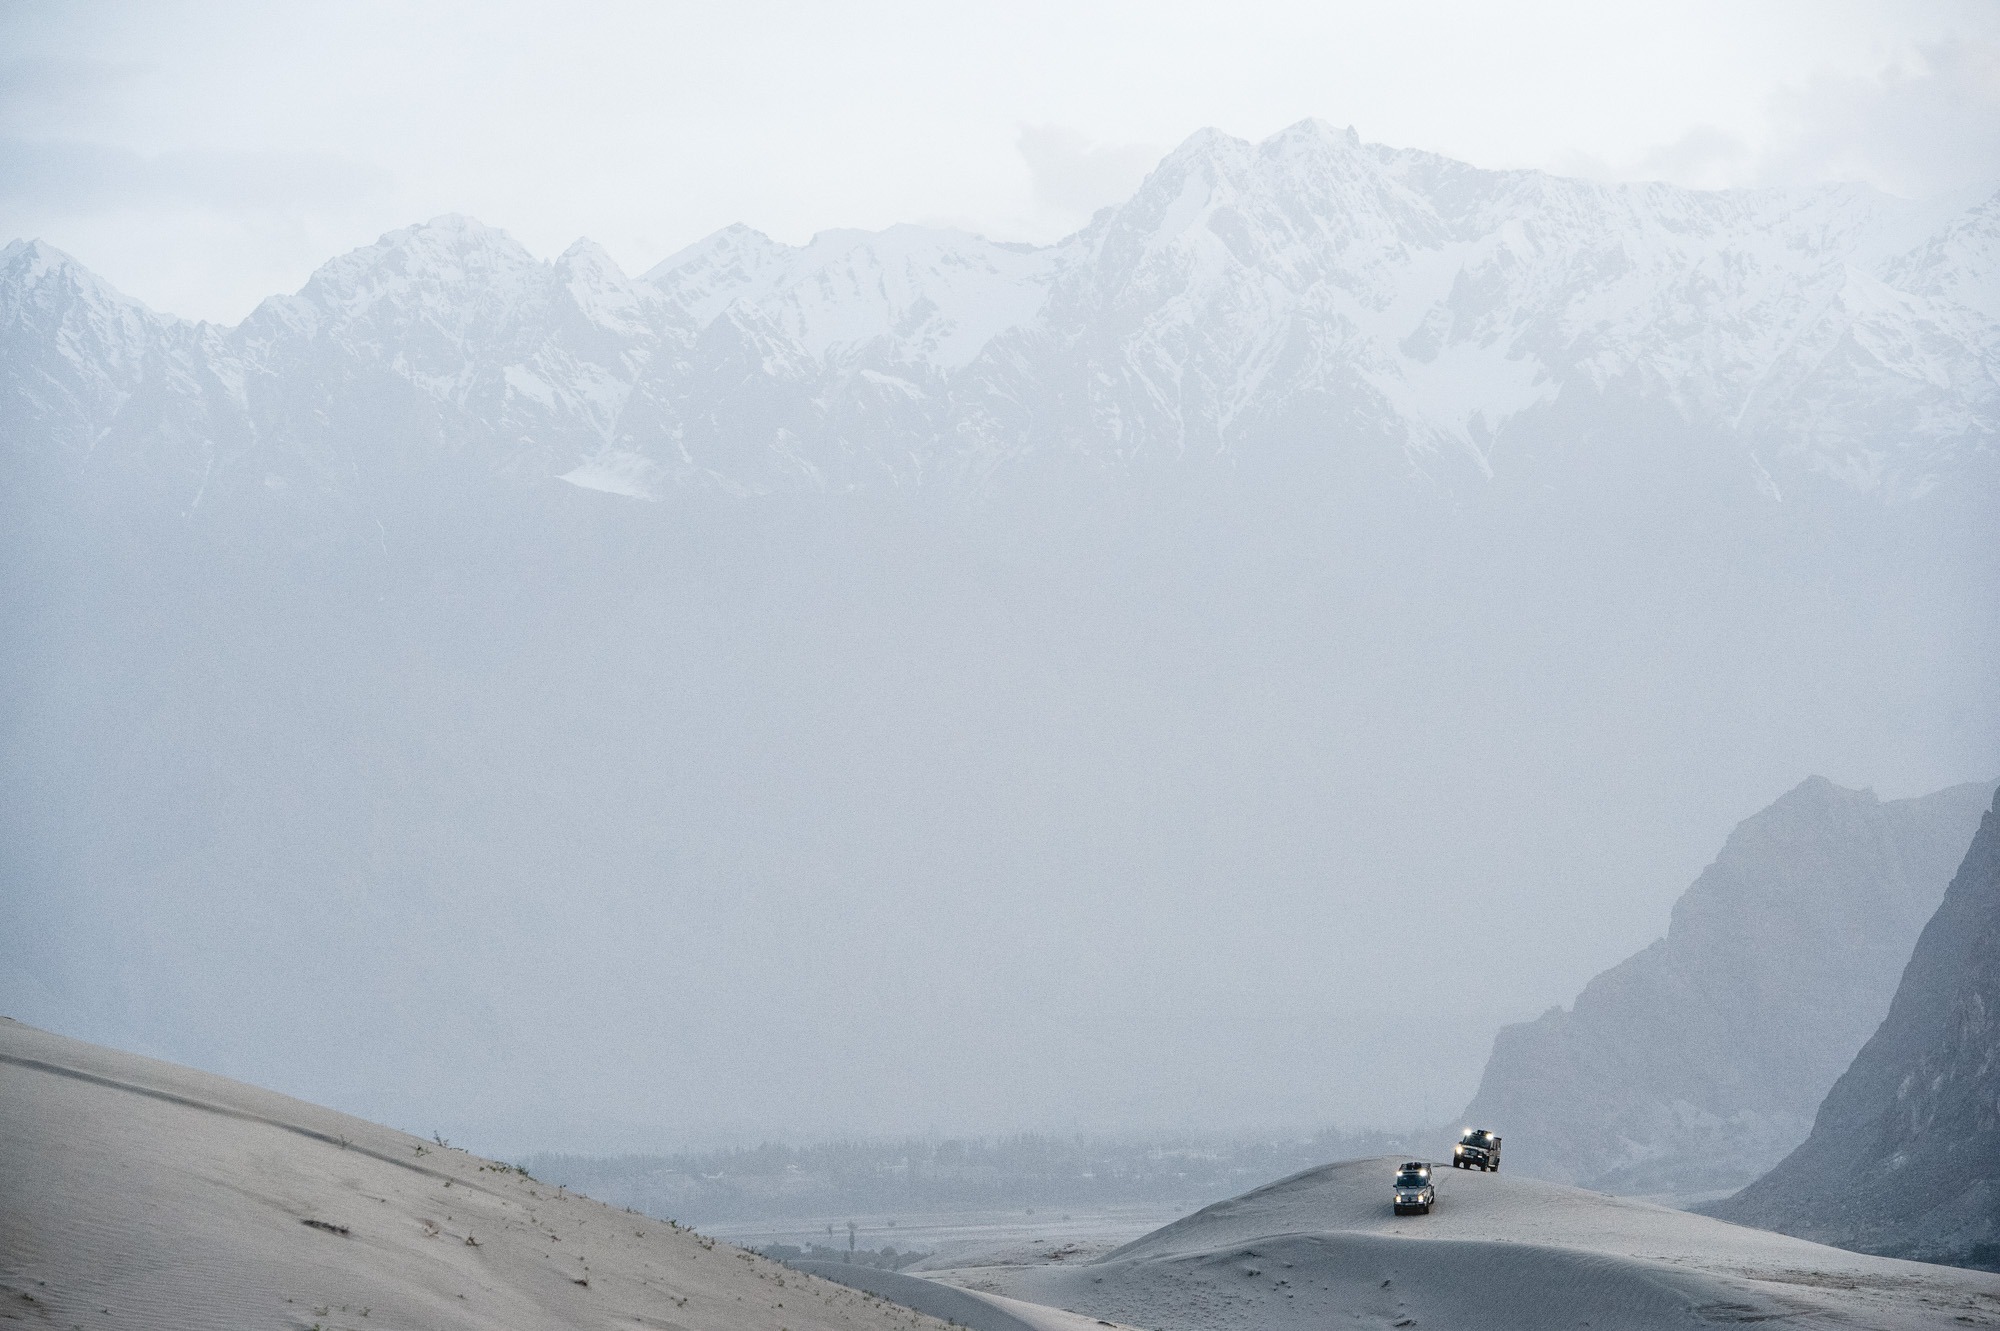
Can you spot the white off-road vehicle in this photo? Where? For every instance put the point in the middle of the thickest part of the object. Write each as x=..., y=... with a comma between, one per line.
x=1413, y=1193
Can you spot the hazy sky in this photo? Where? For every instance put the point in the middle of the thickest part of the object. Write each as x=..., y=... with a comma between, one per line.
x=203, y=155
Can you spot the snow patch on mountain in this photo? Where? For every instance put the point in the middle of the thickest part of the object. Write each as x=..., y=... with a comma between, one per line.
x=617, y=473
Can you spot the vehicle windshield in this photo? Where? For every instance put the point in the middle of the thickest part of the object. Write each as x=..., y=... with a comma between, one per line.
x=1478, y=1138
x=1412, y=1180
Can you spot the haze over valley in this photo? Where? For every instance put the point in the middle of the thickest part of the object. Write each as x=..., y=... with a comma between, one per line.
x=1027, y=756
x=470, y=598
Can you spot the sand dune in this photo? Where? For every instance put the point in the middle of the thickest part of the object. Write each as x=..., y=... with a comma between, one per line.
x=137, y=1194
x=1323, y=1249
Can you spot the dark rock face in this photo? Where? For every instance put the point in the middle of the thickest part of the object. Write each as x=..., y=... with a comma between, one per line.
x=1904, y=1158
x=1697, y=1063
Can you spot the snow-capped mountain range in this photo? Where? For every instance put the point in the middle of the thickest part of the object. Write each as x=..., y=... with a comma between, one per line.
x=1309, y=291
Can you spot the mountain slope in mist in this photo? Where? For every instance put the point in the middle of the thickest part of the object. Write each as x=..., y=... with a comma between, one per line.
x=1901, y=1160
x=1696, y=1063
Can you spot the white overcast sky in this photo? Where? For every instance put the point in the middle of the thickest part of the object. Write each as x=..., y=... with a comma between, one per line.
x=204, y=155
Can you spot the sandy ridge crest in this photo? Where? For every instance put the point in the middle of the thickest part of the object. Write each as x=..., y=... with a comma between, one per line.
x=138, y=1194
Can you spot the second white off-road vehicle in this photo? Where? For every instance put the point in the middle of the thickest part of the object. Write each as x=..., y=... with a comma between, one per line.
x=1477, y=1149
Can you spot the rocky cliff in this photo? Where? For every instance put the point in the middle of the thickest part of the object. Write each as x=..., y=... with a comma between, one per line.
x=1696, y=1063
x=1904, y=1158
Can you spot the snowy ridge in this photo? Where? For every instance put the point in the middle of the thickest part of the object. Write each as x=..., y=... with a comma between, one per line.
x=936, y=296
x=1310, y=290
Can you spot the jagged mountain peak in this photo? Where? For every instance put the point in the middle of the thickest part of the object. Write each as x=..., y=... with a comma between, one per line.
x=583, y=252
x=1322, y=145
x=451, y=251
x=936, y=295
x=596, y=287
x=72, y=346
x=734, y=248
x=32, y=270
x=31, y=259
x=1817, y=792
x=459, y=231
x=1958, y=263
x=1789, y=829
x=1305, y=135
x=1314, y=130
x=707, y=277
x=442, y=282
